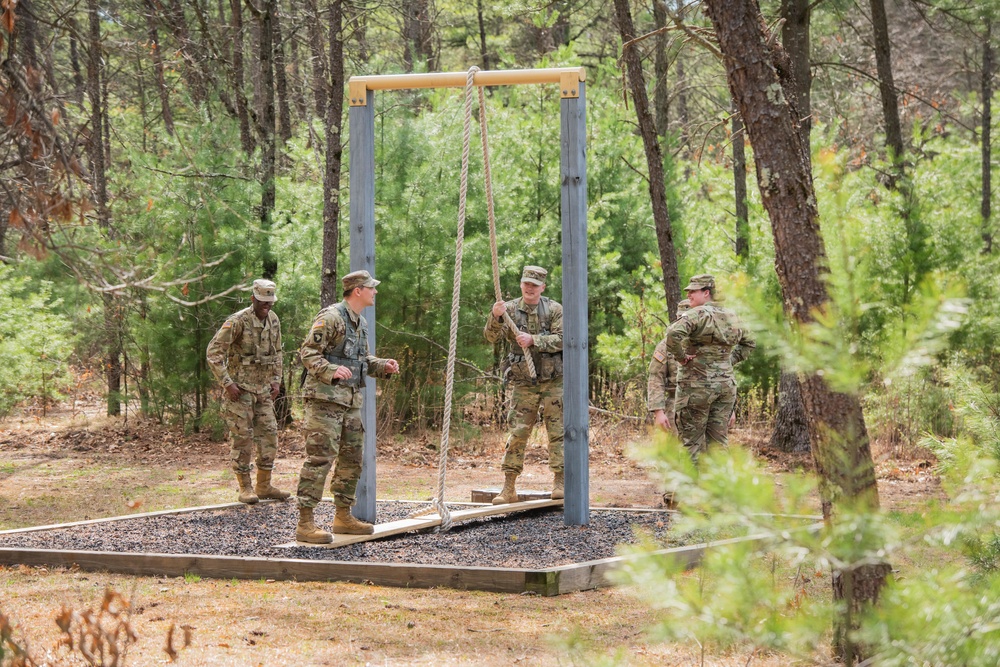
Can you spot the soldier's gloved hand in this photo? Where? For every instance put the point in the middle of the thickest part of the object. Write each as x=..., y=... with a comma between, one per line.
x=233, y=392
x=275, y=388
x=342, y=373
x=525, y=339
x=499, y=308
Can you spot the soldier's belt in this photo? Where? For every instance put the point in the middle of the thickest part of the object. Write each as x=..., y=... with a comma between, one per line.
x=266, y=360
x=515, y=358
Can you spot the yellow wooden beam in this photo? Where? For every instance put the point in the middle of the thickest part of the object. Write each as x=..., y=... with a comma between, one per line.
x=568, y=78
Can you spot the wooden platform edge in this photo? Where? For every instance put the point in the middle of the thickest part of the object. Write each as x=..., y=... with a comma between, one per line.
x=124, y=517
x=550, y=581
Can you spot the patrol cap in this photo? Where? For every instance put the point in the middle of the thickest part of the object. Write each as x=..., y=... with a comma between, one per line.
x=701, y=281
x=534, y=275
x=263, y=290
x=358, y=279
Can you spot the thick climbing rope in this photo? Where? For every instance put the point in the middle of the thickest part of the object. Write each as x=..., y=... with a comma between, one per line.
x=438, y=504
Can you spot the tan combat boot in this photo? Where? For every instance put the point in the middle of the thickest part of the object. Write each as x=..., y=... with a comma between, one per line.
x=345, y=523
x=246, y=489
x=307, y=531
x=264, y=490
x=558, y=489
x=670, y=500
x=509, y=493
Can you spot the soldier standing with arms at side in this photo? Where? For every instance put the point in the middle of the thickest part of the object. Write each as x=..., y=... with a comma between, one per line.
x=336, y=357
x=661, y=384
x=707, y=342
x=245, y=357
x=540, y=323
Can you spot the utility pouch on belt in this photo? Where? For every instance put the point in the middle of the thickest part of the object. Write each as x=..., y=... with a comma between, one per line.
x=359, y=368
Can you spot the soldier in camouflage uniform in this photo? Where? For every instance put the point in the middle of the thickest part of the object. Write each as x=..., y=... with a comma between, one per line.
x=707, y=342
x=540, y=322
x=245, y=357
x=336, y=357
x=662, y=381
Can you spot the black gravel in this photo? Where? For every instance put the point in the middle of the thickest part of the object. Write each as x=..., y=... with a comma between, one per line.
x=534, y=539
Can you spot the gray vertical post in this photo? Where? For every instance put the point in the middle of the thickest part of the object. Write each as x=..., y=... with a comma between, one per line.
x=362, y=174
x=576, y=416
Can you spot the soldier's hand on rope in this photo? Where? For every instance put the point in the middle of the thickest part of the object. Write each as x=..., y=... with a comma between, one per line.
x=233, y=392
x=525, y=339
x=342, y=373
x=499, y=308
x=275, y=389
x=391, y=366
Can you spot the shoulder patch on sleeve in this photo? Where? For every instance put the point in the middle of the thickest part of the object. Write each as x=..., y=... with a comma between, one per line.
x=318, y=324
x=659, y=355
x=228, y=324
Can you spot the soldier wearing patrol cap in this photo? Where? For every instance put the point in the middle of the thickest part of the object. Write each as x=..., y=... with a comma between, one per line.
x=540, y=333
x=245, y=357
x=707, y=341
x=336, y=357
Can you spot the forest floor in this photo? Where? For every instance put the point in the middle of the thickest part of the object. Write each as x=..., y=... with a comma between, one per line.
x=70, y=465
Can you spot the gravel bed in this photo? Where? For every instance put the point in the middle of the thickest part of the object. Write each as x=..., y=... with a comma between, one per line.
x=532, y=539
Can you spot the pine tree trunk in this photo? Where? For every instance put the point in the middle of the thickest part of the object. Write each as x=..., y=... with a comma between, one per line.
x=239, y=76
x=161, y=83
x=795, y=40
x=654, y=159
x=742, y=245
x=886, y=85
x=755, y=68
x=329, y=288
x=987, y=150
x=266, y=130
x=317, y=57
x=661, y=90
x=280, y=78
x=791, y=430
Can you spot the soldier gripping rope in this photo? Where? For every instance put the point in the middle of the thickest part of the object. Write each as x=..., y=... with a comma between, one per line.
x=245, y=357
x=540, y=334
x=336, y=357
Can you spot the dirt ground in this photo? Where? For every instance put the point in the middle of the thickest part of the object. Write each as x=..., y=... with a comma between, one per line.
x=70, y=466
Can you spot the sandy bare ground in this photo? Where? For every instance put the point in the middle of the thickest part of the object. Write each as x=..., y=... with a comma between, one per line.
x=69, y=466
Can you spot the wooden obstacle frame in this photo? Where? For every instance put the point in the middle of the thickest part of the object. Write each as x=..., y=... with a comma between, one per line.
x=546, y=581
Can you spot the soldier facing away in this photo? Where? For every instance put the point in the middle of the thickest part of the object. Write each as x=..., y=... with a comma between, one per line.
x=245, y=357
x=540, y=333
x=336, y=357
x=707, y=342
x=661, y=384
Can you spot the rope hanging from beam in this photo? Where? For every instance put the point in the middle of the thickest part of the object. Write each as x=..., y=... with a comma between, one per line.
x=438, y=504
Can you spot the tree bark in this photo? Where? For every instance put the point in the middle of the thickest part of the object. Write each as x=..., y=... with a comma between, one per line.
x=758, y=73
x=795, y=40
x=654, y=159
x=484, y=54
x=418, y=35
x=266, y=130
x=791, y=429
x=329, y=288
x=742, y=245
x=987, y=150
x=239, y=77
x=661, y=91
x=886, y=85
x=161, y=83
x=280, y=78
x=99, y=186
x=317, y=58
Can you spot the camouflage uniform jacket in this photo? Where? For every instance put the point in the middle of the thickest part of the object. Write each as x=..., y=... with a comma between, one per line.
x=662, y=382
x=247, y=351
x=338, y=337
x=714, y=335
x=544, y=321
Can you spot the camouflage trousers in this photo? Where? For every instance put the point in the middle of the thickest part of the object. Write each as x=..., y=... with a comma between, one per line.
x=334, y=434
x=528, y=399
x=702, y=412
x=251, y=426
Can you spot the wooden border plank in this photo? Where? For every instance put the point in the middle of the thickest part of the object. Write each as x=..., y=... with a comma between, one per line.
x=383, y=530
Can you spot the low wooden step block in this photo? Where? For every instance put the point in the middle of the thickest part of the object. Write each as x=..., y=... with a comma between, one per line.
x=487, y=495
